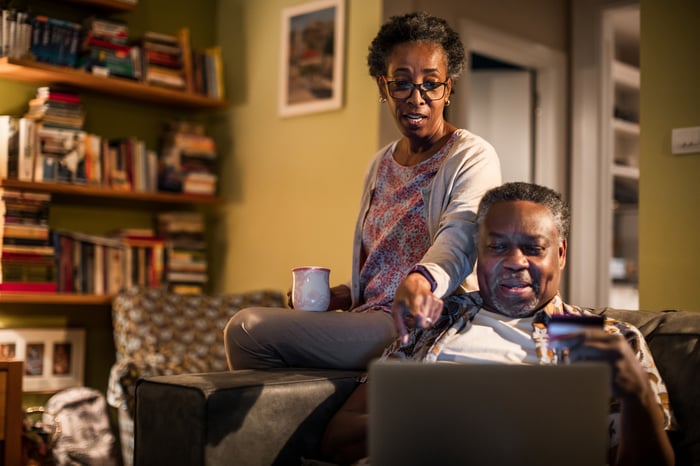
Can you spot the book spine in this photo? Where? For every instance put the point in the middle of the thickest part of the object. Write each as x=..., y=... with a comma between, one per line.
x=27, y=149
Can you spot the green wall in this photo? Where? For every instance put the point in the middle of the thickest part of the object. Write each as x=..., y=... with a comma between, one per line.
x=669, y=219
x=292, y=185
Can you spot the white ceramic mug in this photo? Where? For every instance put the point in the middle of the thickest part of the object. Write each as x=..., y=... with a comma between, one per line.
x=310, y=288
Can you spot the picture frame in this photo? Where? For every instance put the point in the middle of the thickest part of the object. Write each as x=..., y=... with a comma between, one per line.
x=54, y=358
x=311, y=57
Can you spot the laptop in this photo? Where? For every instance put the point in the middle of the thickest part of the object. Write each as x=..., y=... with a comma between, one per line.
x=487, y=414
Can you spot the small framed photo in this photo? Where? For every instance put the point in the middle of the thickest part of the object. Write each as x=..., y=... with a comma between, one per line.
x=54, y=358
x=311, y=57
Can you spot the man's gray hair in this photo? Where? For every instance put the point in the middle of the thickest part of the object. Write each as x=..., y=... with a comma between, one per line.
x=520, y=191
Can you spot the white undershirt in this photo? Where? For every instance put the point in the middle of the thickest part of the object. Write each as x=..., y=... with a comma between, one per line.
x=492, y=338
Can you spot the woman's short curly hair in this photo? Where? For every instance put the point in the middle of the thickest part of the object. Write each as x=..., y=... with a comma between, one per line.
x=418, y=27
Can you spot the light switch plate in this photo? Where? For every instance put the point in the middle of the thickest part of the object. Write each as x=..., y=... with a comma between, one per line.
x=685, y=140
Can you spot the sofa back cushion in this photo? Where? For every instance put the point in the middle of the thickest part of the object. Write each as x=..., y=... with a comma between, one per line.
x=674, y=340
x=167, y=333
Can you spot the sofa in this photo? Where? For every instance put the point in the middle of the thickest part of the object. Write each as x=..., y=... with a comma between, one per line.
x=158, y=332
x=277, y=416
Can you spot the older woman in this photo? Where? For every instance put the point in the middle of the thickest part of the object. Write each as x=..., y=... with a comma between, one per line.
x=413, y=241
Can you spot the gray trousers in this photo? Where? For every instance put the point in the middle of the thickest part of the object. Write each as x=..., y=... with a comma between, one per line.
x=261, y=338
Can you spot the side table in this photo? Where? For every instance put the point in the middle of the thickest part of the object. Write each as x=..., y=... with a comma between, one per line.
x=10, y=412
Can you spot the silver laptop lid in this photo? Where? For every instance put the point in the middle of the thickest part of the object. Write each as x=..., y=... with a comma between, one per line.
x=488, y=414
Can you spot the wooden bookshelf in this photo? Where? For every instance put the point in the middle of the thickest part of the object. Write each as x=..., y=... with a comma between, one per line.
x=41, y=73
x=69, y=190
x=16, y=297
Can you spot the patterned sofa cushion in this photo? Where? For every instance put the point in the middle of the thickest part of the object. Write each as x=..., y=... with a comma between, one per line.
x=167, y=334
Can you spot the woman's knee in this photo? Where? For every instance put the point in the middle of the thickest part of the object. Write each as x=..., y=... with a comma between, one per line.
x=240, y=324
x=245, y=337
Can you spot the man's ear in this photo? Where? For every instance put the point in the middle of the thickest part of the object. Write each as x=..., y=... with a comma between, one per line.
x=562, y=253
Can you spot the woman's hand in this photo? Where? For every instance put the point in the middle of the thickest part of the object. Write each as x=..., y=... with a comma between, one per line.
x=340, y=298
x=414, y=305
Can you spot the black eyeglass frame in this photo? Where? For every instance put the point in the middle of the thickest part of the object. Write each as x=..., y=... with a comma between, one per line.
x=420, y=87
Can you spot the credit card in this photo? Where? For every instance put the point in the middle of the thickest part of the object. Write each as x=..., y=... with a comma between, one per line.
x=560, y=325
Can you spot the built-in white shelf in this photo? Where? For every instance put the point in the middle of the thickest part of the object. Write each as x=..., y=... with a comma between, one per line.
x=626, y=127
x=625, y=171
x=625, y=75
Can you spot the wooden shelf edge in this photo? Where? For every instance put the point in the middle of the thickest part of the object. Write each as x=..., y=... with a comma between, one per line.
x=69, y=189
x=114, y=5
x=8, y=297
x=42, y=73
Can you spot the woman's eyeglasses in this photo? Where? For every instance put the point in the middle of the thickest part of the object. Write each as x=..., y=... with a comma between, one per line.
x=401, y=90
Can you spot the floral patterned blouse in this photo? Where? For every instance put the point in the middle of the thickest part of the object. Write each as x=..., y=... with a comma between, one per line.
x=427, y=345
x=395, y=236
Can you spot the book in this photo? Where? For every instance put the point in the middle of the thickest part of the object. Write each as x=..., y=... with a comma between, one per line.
x=214, y=72
x=40, y=287
x=27, y=149
x=183, y=37
x=9, y=146
x=9, y=143
x=93, y=159
x=19, y=230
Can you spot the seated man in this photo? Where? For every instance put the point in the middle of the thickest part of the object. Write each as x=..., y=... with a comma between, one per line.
x=522, y=241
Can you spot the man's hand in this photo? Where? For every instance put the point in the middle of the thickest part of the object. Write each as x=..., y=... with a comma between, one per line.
x=414, y=305
x=643, y=440
x=628, y=377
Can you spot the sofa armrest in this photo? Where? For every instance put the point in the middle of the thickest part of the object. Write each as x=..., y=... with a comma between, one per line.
x=121, y=388
x=247, y=417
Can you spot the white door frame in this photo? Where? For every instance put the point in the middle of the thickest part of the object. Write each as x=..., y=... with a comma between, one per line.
x=550, y=115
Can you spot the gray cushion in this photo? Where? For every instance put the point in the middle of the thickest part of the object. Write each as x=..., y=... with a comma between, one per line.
x=272, y=417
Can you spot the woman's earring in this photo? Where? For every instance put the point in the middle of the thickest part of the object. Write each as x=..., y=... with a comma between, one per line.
x=382, y=99
x=447, y=103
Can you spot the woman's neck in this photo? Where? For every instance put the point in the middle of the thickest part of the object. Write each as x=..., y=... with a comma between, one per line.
x=413, y=151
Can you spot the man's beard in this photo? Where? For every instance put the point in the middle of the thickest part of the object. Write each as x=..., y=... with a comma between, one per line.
x=524, y=308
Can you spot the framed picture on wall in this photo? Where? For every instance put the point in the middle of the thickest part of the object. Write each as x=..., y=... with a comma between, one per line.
x=54, y=358
x=311, y=57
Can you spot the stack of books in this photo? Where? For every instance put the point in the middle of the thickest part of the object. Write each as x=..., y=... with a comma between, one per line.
x=185, y=251
x=56, y=141
x=59, y=108
x=27, y=257
x=188, y=160
x=105, y=49
x=163, y=60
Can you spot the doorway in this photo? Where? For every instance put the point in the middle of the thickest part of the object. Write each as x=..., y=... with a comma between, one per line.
x=502, y=106
x=547, y=70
